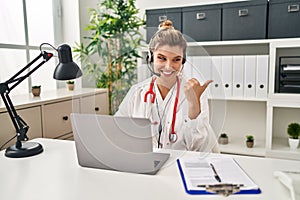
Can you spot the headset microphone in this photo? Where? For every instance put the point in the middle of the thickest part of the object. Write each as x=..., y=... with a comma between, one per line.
x=149, y=60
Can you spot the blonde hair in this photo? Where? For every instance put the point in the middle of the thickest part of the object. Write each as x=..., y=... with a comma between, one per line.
x=167, y=35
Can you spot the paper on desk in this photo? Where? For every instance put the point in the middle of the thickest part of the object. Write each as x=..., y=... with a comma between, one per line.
x=197, y=171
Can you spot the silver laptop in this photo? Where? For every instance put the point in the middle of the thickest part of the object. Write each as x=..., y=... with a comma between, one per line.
x=115, y=143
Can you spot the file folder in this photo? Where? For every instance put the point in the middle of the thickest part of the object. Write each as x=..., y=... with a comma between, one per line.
x=202, y=68
x=238, y=76
x=196, y=172
x=217, y=89
x=227, y=75
x=262, y=72
x=249, y=76
x=188, y=68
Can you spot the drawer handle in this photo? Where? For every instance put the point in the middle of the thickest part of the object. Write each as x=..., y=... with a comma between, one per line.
x=65, y=118
x=243, y=12
x=200, y=16
x=162, y=18
x=97, y=109
x=293, y=8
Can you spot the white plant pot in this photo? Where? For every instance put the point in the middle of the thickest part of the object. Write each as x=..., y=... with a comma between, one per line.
x=293, y=143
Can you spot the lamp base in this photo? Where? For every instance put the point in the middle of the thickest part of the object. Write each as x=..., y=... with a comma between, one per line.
x=27, y=149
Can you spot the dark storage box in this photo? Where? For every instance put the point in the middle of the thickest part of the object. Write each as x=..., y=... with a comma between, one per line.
x=284, y=19
x=155, y=17
x=202, y=23
x=244, y=20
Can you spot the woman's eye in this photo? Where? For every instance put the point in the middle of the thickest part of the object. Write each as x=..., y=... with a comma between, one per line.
x=161, y=58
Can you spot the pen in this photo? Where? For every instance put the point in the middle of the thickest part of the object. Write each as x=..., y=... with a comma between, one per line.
x=217, y=177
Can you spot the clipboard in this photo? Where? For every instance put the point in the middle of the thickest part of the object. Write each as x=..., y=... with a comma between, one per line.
x=198, y=177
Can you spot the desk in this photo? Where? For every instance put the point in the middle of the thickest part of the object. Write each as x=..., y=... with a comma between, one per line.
x=56, y=175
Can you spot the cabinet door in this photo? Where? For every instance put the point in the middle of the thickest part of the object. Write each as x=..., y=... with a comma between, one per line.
x=97, y=104
x=57, y=118
x=32, y=116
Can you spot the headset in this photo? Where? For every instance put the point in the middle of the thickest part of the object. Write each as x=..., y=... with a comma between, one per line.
x=149, y=57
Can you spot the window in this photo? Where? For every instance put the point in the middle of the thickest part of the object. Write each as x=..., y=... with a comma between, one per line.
x=25, y=24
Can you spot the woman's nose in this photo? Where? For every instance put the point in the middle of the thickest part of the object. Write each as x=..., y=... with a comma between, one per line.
x=168, y=65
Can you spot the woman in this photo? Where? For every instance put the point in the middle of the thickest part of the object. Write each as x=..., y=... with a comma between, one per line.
x=178, y=108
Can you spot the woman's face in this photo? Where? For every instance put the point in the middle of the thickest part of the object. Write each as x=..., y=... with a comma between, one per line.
x=168, y=62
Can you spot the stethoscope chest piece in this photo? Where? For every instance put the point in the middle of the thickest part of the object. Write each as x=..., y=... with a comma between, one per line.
x=173, y=137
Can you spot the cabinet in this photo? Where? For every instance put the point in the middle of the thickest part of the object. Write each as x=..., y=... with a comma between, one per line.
x=49, y=115
x=31, y=116
x=97, y=104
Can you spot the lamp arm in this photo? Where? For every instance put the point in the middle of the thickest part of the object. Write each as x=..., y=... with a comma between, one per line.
x=46, y=57
x=20, y=125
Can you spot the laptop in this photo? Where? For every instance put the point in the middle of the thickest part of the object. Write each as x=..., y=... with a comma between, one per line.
x=116, y=143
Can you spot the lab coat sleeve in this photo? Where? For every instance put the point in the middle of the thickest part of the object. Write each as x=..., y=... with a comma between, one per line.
x=198, y=134
x=125, y=108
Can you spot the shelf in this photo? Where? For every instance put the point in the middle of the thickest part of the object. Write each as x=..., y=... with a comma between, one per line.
x=238, y=146
x=286, y=42
x=288, y=101
x=238, y=99
x=281, y=149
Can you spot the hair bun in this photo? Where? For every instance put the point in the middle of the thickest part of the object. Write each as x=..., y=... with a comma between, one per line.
x=166, y=24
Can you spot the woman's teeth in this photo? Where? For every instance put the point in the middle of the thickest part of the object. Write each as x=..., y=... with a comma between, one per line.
x=167, y=73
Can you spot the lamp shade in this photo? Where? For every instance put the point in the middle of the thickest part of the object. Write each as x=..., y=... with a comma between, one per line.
x=66, y=68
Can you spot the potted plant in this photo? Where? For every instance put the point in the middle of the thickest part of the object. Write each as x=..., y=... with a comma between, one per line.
x=36, y=90
x=249, y=141
x=70, y=85
x=293, y=131
x=115, y=39
x=223, y=138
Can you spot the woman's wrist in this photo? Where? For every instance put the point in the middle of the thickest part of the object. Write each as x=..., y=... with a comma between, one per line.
x=194, y=110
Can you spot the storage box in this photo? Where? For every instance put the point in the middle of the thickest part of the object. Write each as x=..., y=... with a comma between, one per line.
x=284, y=19
x=156, y=16
x=244, y=20
x=202, y=23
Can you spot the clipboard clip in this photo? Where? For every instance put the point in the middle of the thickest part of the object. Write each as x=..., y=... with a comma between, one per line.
x=224, y=189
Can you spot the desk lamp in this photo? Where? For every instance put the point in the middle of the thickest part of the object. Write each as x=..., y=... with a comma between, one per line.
x=65, y=70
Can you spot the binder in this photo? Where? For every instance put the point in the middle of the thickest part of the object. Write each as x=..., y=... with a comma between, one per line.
x=188, y=68
x=227, y=75
x=262, y=71
x=249, y=77
x=202, y=68
x=217, y=90
x=196, y=172
x=238, y=76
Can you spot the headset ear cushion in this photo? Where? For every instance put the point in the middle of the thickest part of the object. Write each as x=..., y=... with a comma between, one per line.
x=149, y=56
x=183, y=60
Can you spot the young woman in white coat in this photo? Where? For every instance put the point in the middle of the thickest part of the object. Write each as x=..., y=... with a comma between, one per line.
x=177, y=108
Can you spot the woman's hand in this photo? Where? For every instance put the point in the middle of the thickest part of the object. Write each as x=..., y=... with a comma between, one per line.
x=193, y=90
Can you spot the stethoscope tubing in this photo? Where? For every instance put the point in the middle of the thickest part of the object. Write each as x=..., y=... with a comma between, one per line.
x=173, y=135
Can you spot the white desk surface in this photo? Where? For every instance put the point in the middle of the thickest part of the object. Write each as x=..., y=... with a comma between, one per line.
x=56, y=175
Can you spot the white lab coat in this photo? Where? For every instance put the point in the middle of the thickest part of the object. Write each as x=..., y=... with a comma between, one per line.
x=194, y=135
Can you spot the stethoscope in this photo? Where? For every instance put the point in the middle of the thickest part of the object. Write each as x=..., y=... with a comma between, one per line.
x=172, y=135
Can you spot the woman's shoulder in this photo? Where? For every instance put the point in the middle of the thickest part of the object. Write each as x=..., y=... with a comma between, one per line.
x=141, y=85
